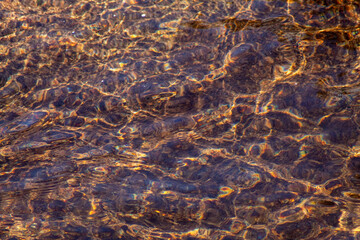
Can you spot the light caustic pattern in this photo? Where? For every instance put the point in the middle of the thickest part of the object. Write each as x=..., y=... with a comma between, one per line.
x=159, y=119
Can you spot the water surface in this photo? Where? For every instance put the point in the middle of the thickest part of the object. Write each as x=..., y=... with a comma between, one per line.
x=170, y=119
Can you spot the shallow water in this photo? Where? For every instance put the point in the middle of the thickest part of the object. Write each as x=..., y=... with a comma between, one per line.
x=162, y=119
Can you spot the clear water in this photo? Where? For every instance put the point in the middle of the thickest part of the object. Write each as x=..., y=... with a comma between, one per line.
x=168, y=119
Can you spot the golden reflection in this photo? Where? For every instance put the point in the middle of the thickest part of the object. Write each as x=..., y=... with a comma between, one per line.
x=160, y=119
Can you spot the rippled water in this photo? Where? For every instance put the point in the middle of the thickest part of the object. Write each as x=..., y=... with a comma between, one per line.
x=170, y=119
